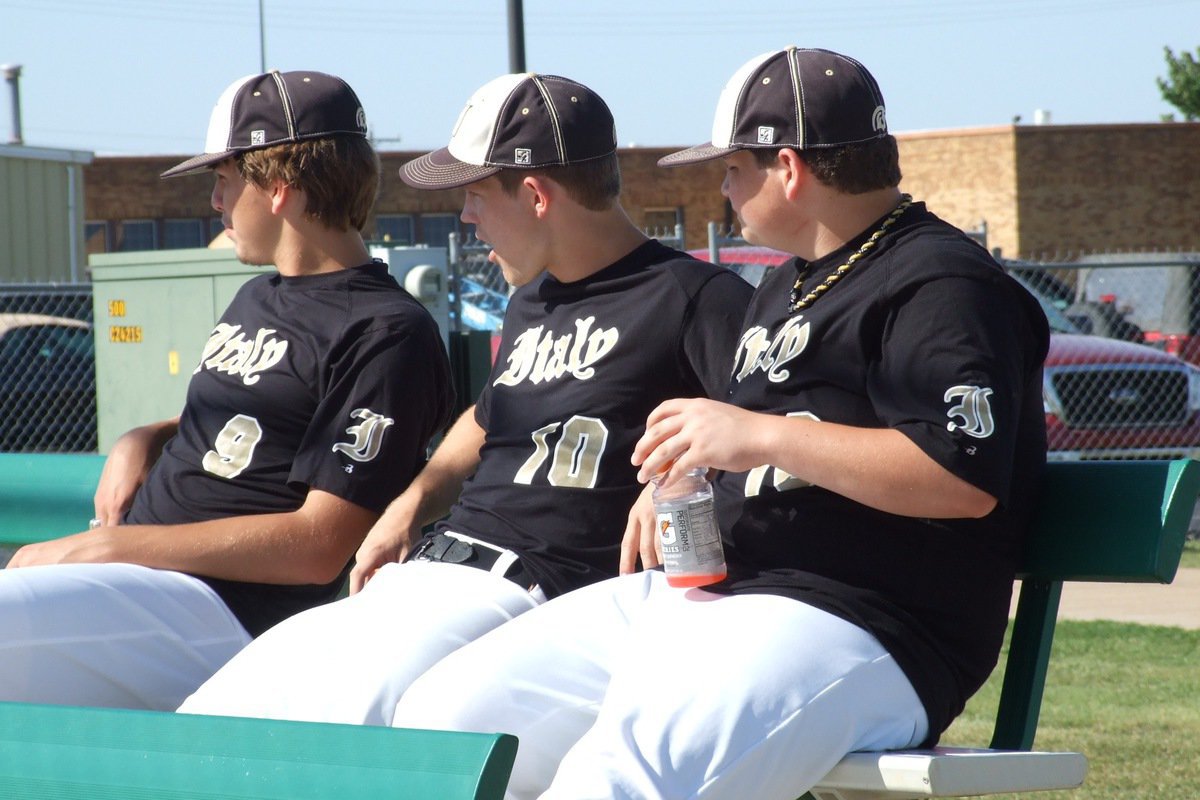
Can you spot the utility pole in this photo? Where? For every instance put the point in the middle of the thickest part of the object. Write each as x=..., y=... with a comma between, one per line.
x=516, y=37
x=262, y=38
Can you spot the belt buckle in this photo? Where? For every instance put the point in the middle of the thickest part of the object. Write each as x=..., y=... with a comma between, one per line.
x=430, y=548
x=451, y=547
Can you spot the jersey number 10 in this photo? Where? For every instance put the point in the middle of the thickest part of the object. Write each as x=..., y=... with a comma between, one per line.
x=576, y=458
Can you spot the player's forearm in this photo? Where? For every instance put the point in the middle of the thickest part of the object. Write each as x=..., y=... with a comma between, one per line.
x=307, y=546
x=881, y=468
x=431, y=494
x=152, y=437
x=129, y=462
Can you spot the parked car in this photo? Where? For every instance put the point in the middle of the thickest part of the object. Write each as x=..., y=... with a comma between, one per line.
x=1103, y=397
x=47, y=384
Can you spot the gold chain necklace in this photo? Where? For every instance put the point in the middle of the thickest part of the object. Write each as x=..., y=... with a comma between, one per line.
x=798, y=303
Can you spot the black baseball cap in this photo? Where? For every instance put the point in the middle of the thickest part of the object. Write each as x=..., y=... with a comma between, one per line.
x=275, y=108
x=518, y=121
x=798, y=98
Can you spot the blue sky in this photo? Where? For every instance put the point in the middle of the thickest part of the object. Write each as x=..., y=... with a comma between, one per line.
x=138, y=77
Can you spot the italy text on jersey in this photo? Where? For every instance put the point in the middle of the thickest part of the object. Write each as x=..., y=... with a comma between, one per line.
x=229, y=350
x=541, y=355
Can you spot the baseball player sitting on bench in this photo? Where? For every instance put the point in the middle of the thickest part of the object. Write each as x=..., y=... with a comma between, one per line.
x=605, y=325
x=878, y=457
x=311, y=408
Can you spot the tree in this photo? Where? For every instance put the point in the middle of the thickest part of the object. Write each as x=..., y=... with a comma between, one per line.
x=1181, y=88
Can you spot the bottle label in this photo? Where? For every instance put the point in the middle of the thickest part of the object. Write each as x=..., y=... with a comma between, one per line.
x=691, y=542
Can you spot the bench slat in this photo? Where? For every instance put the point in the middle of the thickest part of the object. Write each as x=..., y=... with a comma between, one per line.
x=948, y=772
x=63, y=752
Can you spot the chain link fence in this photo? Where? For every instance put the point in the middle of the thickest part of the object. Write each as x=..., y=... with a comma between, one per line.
x=47, y=369
x=478, y=291
x=1122, y=379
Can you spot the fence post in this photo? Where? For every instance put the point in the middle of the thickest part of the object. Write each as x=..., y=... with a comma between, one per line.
x=454, y=253
x=714, y=250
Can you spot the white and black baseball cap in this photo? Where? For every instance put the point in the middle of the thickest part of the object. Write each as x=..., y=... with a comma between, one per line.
x=518, y=121
x=798, y=98
x=275, y=108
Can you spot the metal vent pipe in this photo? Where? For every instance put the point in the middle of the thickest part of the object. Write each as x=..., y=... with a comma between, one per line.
x=12, y=74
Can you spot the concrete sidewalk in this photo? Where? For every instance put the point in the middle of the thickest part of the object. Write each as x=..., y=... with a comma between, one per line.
x=1177, y=604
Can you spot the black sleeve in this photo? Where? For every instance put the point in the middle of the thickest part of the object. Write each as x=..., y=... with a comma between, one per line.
x=387, y=396
x=951, y=376
x=712, y=329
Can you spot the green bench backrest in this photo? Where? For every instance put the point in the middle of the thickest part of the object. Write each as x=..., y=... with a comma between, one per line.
x=46, y=495
x=1112, y=521
x=1122, y=521
x=66, y=753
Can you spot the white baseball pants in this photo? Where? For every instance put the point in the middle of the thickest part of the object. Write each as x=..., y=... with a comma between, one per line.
x=633, y=689
x=117, y=635
x=350, y=661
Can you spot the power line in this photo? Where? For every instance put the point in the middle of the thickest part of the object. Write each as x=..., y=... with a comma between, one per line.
x=585, y=21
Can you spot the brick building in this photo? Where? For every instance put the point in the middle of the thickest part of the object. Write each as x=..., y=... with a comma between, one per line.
x=1043, y=191
x=1050, y=191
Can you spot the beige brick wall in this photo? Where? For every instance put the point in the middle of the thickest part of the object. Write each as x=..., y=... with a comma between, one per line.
x=696, y=188
x=1108, y=187
x=129, y=188
x=1055, y=191
x=966, y=178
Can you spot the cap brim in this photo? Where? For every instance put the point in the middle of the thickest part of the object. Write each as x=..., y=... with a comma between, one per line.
x=440, y=170
x=198, y=164
x=696, y=155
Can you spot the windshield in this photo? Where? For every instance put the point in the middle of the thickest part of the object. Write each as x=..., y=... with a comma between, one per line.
x=1059, y=323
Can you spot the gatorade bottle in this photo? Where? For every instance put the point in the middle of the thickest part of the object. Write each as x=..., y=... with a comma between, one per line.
x=691, y=543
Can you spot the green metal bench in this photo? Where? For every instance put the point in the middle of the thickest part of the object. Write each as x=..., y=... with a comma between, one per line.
x=1097, y=521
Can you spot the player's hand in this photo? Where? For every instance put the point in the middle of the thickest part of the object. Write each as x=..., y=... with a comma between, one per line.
x=682, y=435
x=129, y=461
x=80, y=548
x=641, y=535
x=387, y=542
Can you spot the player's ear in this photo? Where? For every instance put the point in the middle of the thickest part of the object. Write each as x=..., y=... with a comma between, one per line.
x=793, y=171
x=541, y=193
x=282, y=194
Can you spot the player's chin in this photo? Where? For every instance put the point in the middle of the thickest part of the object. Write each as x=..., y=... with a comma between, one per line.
x=512, y=275
x=514, y=279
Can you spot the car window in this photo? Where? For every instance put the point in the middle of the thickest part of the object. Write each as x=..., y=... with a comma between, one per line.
x=44, y=348
x=1059, y=323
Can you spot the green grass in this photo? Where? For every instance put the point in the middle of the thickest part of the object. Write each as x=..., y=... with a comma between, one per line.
x=1126, y=696
x=1191, y=554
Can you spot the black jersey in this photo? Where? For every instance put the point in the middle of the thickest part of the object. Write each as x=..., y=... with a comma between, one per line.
x=926, y=335
x=580, y=367
x=334, y=381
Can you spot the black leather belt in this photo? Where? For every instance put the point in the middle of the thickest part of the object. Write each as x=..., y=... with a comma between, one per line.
x=458, y=548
